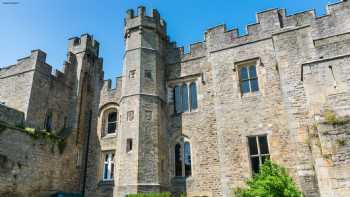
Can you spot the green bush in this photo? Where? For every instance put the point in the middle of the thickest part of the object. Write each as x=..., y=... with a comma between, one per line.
x=162, y=194
x=271, y=181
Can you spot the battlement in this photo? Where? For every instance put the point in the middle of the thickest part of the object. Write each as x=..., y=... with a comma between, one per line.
x=107, y=84
x=141, y=20
x=268, y=23
x=83, y=43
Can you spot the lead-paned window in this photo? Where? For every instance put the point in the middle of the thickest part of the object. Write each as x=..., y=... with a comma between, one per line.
x=258, y=151
x=185, y=97
x=108, y=166
x=248, y=79
x=193, y=88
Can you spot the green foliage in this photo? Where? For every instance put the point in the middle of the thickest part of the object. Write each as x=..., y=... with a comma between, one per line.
x=162, y=194
x=331, y=118
x=271, y=181
x=38, y=134
x=341, y=142
x=183, y=195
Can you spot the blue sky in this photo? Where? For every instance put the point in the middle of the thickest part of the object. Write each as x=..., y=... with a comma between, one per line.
x=47, y=24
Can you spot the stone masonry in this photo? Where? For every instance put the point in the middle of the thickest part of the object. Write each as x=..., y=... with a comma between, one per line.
x=302, y=70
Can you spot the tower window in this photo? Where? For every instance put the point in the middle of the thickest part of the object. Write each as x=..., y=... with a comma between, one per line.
x=258, y=151
x=130, y=115
x=129, y=145
x=108, y=166
x=248, y=79
x=178, y=161
x=132, y=74
x=148, y=74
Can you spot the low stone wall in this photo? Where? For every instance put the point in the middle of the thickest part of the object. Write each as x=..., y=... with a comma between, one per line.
x=35, y=167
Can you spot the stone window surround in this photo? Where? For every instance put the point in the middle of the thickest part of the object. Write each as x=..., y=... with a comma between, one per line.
x=180, y=82
x=181, y=140
x=236, y=69
x=258, y=147
x=109, y=163
x=104, y=124
x=101, y=119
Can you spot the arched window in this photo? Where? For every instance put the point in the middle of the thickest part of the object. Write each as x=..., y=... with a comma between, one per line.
x=183, y=159
x=109, y=121
x=178, y=161
x=112, y=122
x=193, y=88
x=177, y=93
x=187, y=159
x=184, y=98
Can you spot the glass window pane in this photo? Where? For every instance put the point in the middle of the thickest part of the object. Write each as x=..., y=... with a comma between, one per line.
x=194, y=104
x=187, y=159
x=264, y=158
x=243, y=73
x=245, y=86
x=112, y=127
x=112, y=117
x=177, y=100
x=105, y=173
x=178, y=162
x=252, y=72
x=254, y=85
x=264, y=149
x=255, y=164
x=253, y=148
x=184, y=98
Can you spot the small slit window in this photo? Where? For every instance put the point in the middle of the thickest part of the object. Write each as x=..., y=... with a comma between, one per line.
x=129, y=145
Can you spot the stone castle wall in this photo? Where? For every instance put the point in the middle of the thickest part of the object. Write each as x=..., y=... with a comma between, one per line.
x=33, y=167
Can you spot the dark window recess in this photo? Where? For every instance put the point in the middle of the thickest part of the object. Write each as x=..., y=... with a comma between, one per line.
x=128, y=145
x=178, y=101
x=112, y=122
x=148, y=74
x=258, y=151
x=178, y=161
x=48, y=122
x=132, y=74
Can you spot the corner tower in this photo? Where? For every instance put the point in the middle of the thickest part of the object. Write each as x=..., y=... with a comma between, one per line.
x=142, y=150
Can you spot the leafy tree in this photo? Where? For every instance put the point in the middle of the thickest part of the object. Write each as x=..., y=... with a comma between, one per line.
x=271, y=181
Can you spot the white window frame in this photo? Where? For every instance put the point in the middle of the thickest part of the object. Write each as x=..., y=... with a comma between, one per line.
x=109, y=163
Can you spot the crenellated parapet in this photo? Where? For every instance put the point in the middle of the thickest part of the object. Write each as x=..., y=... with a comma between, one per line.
x=84, y=43
x=268, y=23
x=141, y=20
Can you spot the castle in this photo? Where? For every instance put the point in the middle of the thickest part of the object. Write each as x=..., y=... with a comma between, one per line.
x=201, y=122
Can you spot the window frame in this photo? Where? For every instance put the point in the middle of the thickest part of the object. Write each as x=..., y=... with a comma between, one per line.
x=181, y=142
x=108, y=123
x=110, y=165
x=248, y=63
x=259, y=154
x=180, y=87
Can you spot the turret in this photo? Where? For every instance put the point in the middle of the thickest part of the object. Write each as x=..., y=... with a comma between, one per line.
x=141, y=104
